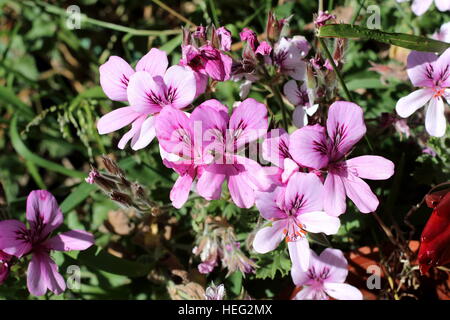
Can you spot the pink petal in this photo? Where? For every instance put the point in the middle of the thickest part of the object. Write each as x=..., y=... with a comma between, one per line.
x=406, y=106
x=299, y=276
x=254, y=174
x=269, y=237
x=10, y=241
x=442, y=5
x=361, y=194
x=442, y=66
x=71, y=240
x=181, y=83
x=417, y=67
x=419, y=7
x=114, y=76
x=342, y=291
x=43, y=212
x=209, y=185
x=133, y=133
x=309, y=147
x=334, y=196
x=308, y=293
x=116, y=120
x=334, y=261
x=290, y=167
x=300, y=117
x=180, y=190
x=174, y=132
x=319, y=221
x=435, y=121
x=345, y=127
x=291, y=91
x=248, y=122
x=300, y=253
x=275, y=148
x=304, y=193
x=225, y=38
x=201, y=82
x=42, y=274
x=267, y=205
x=241, y=190
x=146, y=94
x=371, y=167
x=154, y=62
x=146, y=134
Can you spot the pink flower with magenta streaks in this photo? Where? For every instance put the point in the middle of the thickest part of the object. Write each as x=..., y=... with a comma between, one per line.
x=148, y=91
x=419, y=7
x=432, y=73
x=293, y=211
x=44, y=216
x=325, y=278
x=317, y=148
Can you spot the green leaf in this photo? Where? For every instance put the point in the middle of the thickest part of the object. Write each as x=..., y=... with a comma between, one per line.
x=273, y=262
x=97, y=258
x=22, y=150
x=77, y=196
x=8, y=97
x=407, y=41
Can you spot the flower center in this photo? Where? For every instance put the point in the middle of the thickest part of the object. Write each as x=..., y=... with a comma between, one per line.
x=438, y=92
x=294, y=230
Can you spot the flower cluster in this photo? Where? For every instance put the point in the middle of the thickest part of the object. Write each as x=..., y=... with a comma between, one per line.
x=419, y=7
x=44, y=216
x=305, y=189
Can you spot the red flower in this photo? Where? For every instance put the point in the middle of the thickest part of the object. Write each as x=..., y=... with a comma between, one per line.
x=435, y=240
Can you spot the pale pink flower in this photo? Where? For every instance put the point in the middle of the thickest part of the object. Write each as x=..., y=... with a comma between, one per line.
x=293, y=211
x=432, y=73
x=443, y=34
x=317, y=148
x=214, y=292
x=288, y=56
x=225, y=38
x=148, y=94
x=303, y=100
x=44, y=216
x=322, y=18
x=325, y=278
x=275, y=149
x=419, y=7
x=228, y=136
x=264, y=49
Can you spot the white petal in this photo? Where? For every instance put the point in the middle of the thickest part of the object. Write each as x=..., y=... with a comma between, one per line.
x=406, y=106
x=435, y=121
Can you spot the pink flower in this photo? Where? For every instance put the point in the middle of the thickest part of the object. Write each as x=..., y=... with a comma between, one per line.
x=264, y=49
x=225, y=38
x=303, y=100
x=288, y=55
x=293, y=211
x=228, y=136
x=443, y=34
x=275, y=149
x=322, y=18
x=214, y=292
x=325, y=278
x=4, y=266
x=432, y=73
x=419, y=7
x=250, y=37
x=208, y=61
x=44, y=216
x=317, y=148
x=176, y=135
x=148, y=93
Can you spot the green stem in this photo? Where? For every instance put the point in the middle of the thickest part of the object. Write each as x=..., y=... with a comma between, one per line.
x=361, y=5
x=212, y=5
x=330, y=5
x=277, y=95
x=348, y=96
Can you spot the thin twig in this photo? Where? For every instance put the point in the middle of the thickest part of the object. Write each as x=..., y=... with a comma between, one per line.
x=174, y=13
